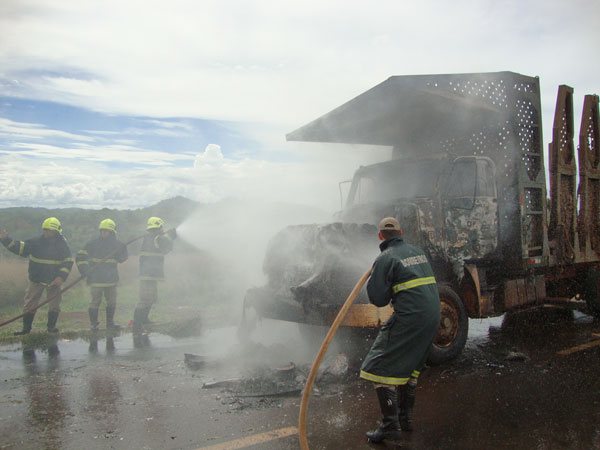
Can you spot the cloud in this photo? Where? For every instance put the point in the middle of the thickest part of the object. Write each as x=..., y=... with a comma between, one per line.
x=87, y=176
x=21, y=130
x=110, y=154
x=276, y=62
x=270, y=67
x=212, y=154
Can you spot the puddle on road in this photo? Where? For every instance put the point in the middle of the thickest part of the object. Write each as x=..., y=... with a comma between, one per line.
x=469, y=402
x=277, y=343
x=276, y=340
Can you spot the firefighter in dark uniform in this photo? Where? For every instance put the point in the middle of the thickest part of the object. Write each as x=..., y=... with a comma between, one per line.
x=98, y=262
x=155, y=245
x=50, y=262
x=401, y=274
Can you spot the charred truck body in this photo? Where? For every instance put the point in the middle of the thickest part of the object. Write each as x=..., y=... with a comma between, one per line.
x=467, y=183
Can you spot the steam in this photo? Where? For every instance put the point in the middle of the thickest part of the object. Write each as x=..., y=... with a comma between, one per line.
x=237, y=232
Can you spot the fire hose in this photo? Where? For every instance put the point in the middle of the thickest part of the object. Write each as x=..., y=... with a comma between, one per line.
x=321, y=354
x=73, y=283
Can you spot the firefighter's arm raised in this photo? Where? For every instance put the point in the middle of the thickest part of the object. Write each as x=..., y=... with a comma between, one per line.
x=16, y=247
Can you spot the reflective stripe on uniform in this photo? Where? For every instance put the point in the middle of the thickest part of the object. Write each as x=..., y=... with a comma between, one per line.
x=412, y=284
x=103, y=284
x=97, y=260
x=44, y=261
x=150, y=254
x=384, y=380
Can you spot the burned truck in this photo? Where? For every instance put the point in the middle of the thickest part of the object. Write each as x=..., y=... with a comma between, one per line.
x=467, y=182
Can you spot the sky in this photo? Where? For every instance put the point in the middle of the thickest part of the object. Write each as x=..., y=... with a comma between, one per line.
x=121, y=104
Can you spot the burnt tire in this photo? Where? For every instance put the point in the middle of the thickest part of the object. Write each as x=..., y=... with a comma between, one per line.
x=454, y=327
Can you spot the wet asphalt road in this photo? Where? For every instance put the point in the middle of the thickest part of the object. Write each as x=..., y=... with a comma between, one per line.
x=510, y=389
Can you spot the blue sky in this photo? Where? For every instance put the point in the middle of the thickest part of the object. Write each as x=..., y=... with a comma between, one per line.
x=99, y=131
x=123, y=104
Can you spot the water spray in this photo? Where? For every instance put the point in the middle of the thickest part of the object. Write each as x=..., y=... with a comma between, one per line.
x=321, y=354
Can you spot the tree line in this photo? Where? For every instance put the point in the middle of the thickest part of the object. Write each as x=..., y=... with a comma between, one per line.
x=81, y=225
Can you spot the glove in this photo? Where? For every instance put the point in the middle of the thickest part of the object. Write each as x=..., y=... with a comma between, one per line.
x=172, y=233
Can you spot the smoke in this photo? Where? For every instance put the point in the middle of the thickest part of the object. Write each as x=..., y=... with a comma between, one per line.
x=236, y=233
x=262, y=199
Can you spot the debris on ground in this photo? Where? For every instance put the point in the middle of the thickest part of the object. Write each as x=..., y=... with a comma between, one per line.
x=261, y=386
x=196, y=362
x=516, y=356
x=221, y=383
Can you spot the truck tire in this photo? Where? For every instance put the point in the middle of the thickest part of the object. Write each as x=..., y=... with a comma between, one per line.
x=454, y=327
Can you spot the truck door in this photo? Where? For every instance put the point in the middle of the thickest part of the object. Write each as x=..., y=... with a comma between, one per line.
x=470, y=208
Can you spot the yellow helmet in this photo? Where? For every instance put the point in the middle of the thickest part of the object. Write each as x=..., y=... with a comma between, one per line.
x=154, y=222
x=52, y=223
x=108, y=224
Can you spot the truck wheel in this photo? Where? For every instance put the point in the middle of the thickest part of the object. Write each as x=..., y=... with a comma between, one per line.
x=454, y=327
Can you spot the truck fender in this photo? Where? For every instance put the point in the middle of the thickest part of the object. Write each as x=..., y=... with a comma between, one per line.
x=470, y=291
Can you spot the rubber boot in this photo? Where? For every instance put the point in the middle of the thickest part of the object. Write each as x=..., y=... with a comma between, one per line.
x=138, y=319
x=406, y=402
x=389, y=428
x=110, y=318
x=52, y=318
x=93, y=312
x=27, y=321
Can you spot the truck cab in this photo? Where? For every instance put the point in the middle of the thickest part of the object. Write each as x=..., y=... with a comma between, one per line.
x=447, y=205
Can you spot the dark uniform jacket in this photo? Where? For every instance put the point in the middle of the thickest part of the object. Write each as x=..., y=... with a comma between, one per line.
x=154, y=247
x=90, y=261
x=402, y=274
x=48, y=258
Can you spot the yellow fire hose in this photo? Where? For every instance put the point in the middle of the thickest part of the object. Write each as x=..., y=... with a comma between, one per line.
x=70, y=285
x=321, y=354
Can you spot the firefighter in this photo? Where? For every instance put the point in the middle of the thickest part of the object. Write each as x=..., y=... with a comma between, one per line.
x=98, y=262
x=50, y=262
x=155, y=245
x=401, y=274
